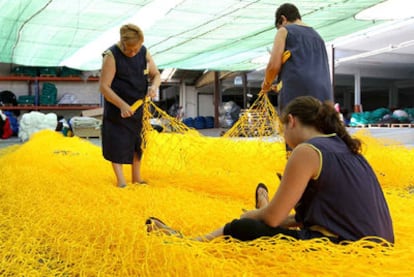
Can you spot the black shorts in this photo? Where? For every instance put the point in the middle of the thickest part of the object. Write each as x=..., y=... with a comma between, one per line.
x=247, y=229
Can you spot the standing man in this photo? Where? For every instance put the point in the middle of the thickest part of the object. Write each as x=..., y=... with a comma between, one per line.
x=127, y=66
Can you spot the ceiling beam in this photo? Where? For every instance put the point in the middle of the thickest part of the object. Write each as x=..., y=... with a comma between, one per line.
x=209, y=77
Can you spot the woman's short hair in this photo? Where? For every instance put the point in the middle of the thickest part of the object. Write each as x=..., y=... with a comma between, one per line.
x=131, y=33
x=290, y=11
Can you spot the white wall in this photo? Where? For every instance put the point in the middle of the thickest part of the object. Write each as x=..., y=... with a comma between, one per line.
x=188, y=95
x=205, y=104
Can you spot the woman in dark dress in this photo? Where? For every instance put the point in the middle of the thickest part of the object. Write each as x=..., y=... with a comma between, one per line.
x=126, y=71
x=327, y=182
x=306, y=72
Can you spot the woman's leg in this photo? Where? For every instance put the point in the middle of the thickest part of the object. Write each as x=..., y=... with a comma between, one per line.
x=136, y=170
x=215, y=234
x=154, y=224
x=247, y=229
x=120, y=178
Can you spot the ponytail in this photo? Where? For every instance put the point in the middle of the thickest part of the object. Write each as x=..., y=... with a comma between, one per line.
x=328, y=121
x=323, y=117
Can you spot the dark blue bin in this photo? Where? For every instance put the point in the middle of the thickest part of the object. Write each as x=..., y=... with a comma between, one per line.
x=189, y=122
x=200, y=122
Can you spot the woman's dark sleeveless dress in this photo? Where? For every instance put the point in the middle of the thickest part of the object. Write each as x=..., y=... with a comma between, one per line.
x=121, y=137
x=306, y=72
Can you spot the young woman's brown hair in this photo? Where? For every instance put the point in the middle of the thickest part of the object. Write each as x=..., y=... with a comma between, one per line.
x=322, y=116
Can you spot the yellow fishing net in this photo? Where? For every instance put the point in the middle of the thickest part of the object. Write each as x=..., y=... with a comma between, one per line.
x=62, y=215
x=260, y=120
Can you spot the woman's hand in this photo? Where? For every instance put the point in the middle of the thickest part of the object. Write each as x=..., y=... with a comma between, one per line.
x=126, y=111
x=266, y=86
x=152, y=92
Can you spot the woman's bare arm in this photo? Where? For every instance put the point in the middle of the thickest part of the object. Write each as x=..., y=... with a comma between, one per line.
x=107, y=75
x=155, y=76
x=303, y=165
x=275, y=62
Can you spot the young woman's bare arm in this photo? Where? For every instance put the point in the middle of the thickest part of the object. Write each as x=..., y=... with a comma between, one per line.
x=303, y=165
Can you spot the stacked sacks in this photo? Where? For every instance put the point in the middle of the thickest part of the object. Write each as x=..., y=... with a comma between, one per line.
x=49, y=94
x=5, y=128
x=47, y=71
x=69, y=72
x=13, y=123
x=24, y=71
x=410, y=112
x=228, y=114
x=85, y=126
x=401, y=116
x=369, y=117
x=68, y=99
x=33, y=122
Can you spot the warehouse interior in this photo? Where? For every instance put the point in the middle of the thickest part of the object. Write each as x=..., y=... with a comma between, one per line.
x=61, y=211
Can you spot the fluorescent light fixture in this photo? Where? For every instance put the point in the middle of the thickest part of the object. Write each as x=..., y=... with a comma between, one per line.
x=388, y=10
x=387, y=49
x=144, y=18
x=167, y=74
x=373, y=32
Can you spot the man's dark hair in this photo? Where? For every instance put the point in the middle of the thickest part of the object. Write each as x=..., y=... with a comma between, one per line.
x=290, y=11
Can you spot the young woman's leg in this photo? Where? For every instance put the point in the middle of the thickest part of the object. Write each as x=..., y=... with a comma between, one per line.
x=153, y=224
x=247, y=229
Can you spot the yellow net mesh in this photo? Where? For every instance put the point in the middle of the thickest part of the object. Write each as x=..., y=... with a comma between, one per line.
x=260, y=120
x=62, y=215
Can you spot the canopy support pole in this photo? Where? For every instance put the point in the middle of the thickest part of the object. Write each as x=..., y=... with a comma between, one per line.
x=357, y=90
x=217, y=98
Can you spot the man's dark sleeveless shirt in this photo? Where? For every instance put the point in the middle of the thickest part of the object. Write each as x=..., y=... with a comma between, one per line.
x=346, y=198
x=306, y=72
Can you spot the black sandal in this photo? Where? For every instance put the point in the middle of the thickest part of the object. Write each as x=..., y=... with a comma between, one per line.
x=153, y=221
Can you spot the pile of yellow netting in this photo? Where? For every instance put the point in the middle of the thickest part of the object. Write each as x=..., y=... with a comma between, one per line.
x=62, y=215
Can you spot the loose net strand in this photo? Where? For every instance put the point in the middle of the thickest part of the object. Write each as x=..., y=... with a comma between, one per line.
x=61, y=213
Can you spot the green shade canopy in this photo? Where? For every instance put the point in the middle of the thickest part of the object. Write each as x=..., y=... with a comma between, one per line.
x=185, y=34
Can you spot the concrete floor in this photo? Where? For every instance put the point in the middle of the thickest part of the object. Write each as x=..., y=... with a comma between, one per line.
x=401, y=135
